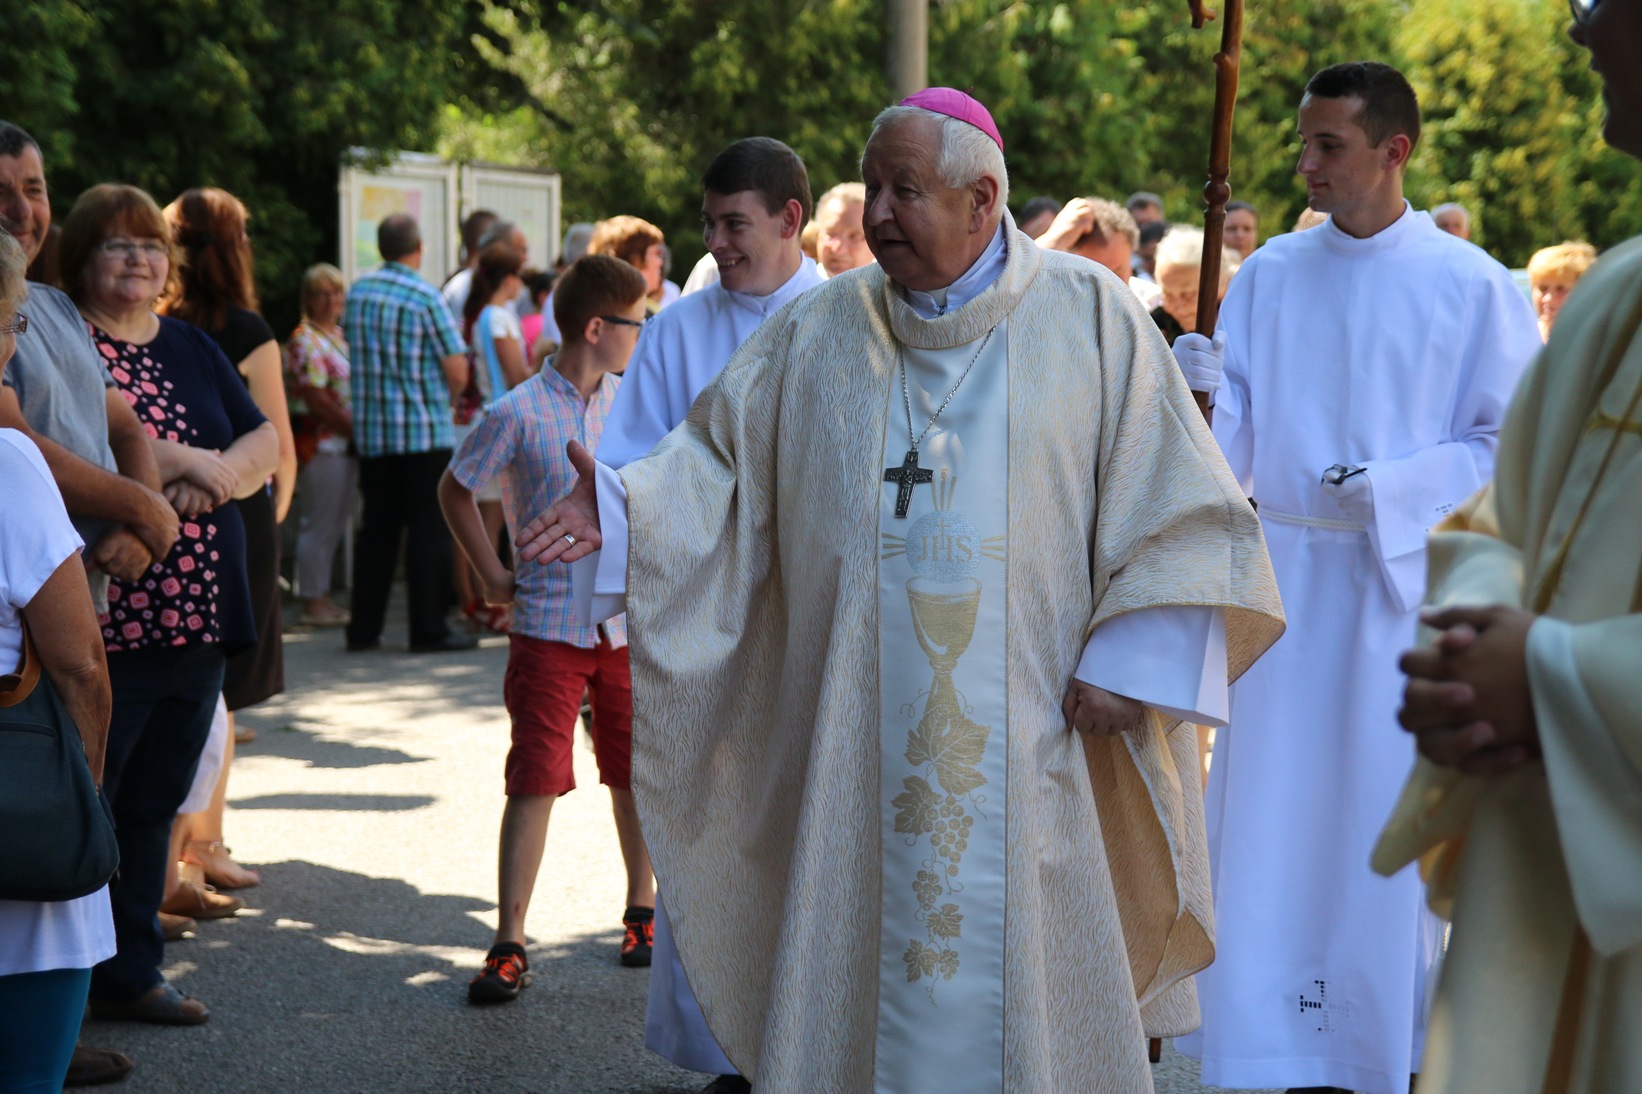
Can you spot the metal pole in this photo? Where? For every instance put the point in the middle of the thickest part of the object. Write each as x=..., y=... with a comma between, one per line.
x=908, y=47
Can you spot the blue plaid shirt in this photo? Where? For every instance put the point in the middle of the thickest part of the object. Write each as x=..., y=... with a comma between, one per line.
x=399, y=329
x=521, y=439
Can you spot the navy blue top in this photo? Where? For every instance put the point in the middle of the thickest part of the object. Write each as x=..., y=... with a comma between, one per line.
x=184, y=389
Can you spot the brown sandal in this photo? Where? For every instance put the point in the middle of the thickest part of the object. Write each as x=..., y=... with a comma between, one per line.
x=201, y=902
x=217, y=864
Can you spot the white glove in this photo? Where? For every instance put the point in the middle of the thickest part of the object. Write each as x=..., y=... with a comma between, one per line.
x=1355, y=497
x=1201, y=361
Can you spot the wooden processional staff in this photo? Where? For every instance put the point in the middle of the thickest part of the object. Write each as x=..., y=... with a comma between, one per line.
x=1216, y=192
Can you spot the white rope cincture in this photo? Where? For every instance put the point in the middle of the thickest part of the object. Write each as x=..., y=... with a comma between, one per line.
x=1311, y=522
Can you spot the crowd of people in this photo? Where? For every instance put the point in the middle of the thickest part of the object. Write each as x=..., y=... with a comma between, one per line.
x=1046, y=635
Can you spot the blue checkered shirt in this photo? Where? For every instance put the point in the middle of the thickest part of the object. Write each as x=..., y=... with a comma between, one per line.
x=399, y=329
x=522, y=438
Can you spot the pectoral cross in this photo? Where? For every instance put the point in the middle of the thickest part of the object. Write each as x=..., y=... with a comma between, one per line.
x=908, y=475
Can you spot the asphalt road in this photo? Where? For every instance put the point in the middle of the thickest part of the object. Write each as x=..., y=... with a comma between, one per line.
x=370, y=804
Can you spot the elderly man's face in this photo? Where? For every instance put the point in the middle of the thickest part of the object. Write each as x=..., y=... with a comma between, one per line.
x=1454, y=222
x=922, y=231
x=840, y=242
x=25, y=211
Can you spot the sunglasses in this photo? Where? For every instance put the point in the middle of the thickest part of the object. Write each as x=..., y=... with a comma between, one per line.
x=19, y=325
x=621, y=322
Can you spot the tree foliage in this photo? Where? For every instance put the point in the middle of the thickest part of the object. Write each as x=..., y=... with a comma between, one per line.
x=629, y=99
x=260, y=97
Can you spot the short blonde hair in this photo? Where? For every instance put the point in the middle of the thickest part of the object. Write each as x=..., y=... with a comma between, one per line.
x=626, y=238
x=321, y=275
x=14, y=288
x=1563, y=262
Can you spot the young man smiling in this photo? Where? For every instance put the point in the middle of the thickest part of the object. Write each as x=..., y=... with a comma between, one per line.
x=1355, y=429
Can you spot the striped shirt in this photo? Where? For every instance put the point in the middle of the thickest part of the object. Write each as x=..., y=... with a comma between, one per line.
x=522, y=438
x=399, y=329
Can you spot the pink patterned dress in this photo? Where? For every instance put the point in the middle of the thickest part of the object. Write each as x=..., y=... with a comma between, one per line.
x=183, y=389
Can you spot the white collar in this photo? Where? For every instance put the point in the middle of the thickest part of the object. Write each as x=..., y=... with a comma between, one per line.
x=974, y=281
x=806, y=277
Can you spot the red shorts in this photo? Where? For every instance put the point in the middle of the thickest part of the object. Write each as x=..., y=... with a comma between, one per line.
x=543, y=690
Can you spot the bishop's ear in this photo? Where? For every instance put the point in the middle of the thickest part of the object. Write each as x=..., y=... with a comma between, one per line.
x=984, y=193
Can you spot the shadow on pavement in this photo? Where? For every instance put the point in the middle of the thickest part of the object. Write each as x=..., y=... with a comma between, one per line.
x=356, y=983
x=293, y=742
x=353, y=803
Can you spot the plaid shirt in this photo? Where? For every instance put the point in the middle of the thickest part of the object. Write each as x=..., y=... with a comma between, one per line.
x=522, y=438
x=399, y=329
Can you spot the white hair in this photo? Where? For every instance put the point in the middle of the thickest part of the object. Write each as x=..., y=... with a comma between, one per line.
x=1452, y=207
x=14, y=266
x=1183, y=246
x=966, y=153
x=846, y=192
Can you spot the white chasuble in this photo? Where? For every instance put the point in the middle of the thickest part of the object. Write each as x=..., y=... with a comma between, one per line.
x=803, y=658
x=942, y=575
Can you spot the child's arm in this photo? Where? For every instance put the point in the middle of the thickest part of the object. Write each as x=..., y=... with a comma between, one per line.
x=462, y=514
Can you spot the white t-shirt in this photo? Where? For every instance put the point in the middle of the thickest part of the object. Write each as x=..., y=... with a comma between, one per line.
x=35, y=537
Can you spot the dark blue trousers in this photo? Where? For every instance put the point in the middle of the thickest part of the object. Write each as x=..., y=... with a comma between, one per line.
x=163, y=702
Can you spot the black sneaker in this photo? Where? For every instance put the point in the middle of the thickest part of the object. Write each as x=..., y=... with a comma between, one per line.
x=639, y=938
x=506, y=973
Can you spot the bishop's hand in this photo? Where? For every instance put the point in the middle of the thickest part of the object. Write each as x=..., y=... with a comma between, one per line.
x=569, y=529
x=1097, y=712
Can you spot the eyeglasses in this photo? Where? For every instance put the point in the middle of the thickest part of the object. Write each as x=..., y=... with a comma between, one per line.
x=1583, y=10
x=18, y=325
x=621, y=322
x=126, y=249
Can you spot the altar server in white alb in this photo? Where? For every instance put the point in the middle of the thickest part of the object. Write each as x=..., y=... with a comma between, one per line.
x=919, y=593
x=1368, y=364
x=755, y=200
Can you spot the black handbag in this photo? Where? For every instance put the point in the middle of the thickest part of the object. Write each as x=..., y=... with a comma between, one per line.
x=56, y=830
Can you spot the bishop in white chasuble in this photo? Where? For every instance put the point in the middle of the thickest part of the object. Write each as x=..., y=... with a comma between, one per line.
x=889, y=862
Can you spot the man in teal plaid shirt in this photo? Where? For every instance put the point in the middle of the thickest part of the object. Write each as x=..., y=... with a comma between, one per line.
x=408, y=366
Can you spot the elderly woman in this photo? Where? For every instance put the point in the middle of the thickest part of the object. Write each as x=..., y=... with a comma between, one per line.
x=47, y=948
x=1179, y=264
x=168, y=633
x=1552, y=273
x=316, y=377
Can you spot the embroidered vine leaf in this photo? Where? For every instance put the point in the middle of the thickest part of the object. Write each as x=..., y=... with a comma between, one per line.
x=922, y=961
x=917, y=807
x=946, y=923
x=954, y=750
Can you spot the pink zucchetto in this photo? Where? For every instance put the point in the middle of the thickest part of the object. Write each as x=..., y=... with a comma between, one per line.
x=955, y=104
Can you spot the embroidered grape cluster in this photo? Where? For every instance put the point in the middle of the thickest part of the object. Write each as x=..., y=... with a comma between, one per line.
x=951, y=833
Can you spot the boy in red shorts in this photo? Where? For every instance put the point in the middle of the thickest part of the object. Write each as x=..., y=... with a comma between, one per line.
x=552, y=658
